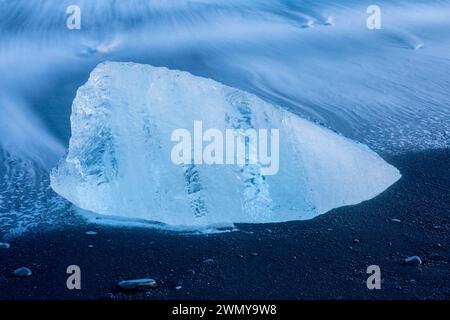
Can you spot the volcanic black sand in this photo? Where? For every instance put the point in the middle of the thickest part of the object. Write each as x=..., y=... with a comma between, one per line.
x=323, y=258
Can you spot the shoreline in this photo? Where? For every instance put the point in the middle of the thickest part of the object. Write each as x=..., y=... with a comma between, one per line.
x=323, y=258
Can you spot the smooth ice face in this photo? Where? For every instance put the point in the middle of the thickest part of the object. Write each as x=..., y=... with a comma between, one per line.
x=119, y=160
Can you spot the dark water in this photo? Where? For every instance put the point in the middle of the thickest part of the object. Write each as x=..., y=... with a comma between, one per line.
x=386, y=88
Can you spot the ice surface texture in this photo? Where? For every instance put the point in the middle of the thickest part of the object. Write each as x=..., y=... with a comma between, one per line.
x=119, y=158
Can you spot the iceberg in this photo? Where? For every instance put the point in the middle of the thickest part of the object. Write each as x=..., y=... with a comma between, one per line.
x=120, y=153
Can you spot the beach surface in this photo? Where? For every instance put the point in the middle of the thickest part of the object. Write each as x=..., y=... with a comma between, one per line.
x=323, y=258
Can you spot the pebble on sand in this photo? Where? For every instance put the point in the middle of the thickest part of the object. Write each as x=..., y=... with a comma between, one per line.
x=190, y=272
x=137, y=284
x=208, y=261
x=4, y=246
x=395, y=220
x=22, y=272
x=413, y=261
x=90, y=233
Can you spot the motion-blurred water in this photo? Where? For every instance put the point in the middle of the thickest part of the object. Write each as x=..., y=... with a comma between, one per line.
x=386, y=88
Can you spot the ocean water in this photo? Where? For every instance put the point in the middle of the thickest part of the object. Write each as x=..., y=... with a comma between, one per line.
x=387, y=88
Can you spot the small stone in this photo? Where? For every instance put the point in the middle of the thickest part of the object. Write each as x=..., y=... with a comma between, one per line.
x=356, y=241
x=4, y=246
x=413, y=261
x=90, y=246
x=208, y=261
x=190, y=272
x=137, y=284
x=240, y=255
x=90, y=233
x=396, y=220
x=22, y=272
x=178, y=287
x=254, y=254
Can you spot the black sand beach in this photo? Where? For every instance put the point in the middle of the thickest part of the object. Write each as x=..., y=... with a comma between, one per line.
x=323, y=258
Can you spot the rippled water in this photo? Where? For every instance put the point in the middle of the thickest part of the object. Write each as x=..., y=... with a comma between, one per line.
x=387, y=88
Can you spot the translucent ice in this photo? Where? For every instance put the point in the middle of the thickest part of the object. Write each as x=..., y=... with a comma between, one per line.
x=119, y=158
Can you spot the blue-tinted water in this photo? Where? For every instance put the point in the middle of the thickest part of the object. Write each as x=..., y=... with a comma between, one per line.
x=386, y=88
